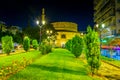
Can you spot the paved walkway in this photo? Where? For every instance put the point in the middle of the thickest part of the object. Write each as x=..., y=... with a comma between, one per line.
x=16, y=52
x=106, y=71
x=110, y=72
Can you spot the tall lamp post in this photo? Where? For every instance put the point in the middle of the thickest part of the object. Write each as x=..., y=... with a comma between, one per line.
x=40, y=26
x=100, y=30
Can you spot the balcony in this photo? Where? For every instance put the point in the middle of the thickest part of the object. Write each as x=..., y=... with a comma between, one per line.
x=109, y=10
x=104, y=8
x=98, y=5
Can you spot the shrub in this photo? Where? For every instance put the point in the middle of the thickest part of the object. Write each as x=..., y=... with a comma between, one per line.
x=45, y=48
x=48, y=48
x=35, y=44
x=7, y=44
x=68, y=45
x=77, y=46
x=26, y=43
x=92, y=49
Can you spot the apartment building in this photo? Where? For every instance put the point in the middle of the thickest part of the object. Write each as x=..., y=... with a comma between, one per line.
x=107, y=12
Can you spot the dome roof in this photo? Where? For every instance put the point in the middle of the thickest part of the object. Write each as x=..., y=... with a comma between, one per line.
x=65, y=26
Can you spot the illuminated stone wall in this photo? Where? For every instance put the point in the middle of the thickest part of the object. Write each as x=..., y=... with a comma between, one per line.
x=66, y=31
x=69, y=26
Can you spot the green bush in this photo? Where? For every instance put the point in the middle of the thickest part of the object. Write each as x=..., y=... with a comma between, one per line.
x=7, y=44
x=45, y=48
x=92, y=49
x=35, y=44
x=48, y=48
x=42, y=48
x=26, y=43
x=77, y=46
x=68, y=45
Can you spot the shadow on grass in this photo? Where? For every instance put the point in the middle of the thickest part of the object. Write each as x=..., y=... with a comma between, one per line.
x=81, y=71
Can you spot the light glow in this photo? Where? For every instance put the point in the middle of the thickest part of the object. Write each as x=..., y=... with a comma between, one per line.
x=43, y=22
x=37, y=22
x=103, y=25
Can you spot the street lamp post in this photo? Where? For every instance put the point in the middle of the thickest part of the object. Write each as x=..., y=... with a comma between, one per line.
x=100, y=30
x=40, y=26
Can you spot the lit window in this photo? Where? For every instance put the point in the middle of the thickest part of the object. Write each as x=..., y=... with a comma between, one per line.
x=63, y=36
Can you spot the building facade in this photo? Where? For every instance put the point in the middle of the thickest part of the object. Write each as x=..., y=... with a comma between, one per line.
x=107, y=12
x=65, y=31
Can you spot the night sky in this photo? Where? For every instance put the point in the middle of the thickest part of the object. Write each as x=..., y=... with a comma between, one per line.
x=20, y=12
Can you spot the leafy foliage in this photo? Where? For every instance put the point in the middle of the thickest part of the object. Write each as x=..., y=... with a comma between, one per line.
x=48, y=27
x=68, y=45
x=18, y=37
x=26, y=43
x=45, y=48
x=35, y=44
x=92, y=49
x=7, y=44
x=75, y=45
x=13, y=31
x=32, y=32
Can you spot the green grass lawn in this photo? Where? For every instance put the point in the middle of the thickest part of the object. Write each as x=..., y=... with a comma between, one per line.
x=7, y=60
x=60, y=64
x=112, y=61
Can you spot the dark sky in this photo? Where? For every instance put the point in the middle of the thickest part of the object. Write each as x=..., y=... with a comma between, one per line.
x=18, y=12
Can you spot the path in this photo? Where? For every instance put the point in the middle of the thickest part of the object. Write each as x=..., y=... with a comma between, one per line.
x=17, y=51
x=106, y=71
x=109, y=71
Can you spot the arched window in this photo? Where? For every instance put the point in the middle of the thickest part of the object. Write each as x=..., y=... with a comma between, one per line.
x=63, y=36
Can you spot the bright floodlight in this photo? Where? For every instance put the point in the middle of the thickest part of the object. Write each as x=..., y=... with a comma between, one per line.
x=37, y=22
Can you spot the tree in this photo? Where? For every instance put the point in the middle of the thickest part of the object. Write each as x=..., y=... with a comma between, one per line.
x=45, y=48
x=13, y=29
x=77, y=45
x=7, y=44
x=68, y=45
x=18, y=37
x=35, y=44
x=2, y=26
x=92, y=49
x=2, y=29
x=26, y=43
x=32, y=32
x=48, y=27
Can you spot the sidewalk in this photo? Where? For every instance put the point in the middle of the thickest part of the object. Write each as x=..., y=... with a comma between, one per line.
x=106, y=71
x=17, y=51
